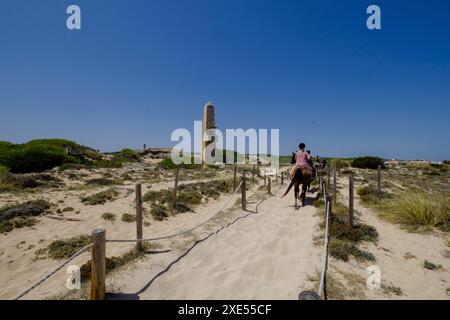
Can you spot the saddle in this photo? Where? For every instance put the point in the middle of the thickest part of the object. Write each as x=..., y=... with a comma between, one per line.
x=305, y=171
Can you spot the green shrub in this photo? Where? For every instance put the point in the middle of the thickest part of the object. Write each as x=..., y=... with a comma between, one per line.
x=100, y=182
x=41, y=155
x=431, y=266
x=116, y=262
x=169, y=165
x=100, y=198
x=3, y=170
x=72, y=166
x=368, y=163
x=126, y=217
x=159, y=213
x=63, y=249
x=129, y=154
x=21, y=215
x=15, y=223
x=109, y=216
x=341, y=250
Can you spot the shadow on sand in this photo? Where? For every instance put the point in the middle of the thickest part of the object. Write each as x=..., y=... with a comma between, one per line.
x=135, y=296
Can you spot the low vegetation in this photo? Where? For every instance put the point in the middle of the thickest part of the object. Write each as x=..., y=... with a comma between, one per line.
x=431, y=266
x=419, y=209
x=12, y=181
x=367, y=163
x=3, y=170
x=109, y=216
x=46, y=154
x=100, y=182
x=370, y=195
x=345, y=241
x=163, y=203
x=41, y=155
x=126, y=217
x=21, y=215
x=341, y=250
x=100, y=197
x=168, y=164
x=115, y=262
x=64, y=248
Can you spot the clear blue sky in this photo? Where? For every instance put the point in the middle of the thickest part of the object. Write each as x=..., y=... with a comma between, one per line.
x=139, y=69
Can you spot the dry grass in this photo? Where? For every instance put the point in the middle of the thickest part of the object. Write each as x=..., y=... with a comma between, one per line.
x=419, y=209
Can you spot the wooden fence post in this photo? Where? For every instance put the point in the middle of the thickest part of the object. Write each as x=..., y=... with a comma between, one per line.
x=334, y=186
x=175, y=187
x=139, y=218
x=244, y=192
x=98, y=264
x=328, y=177
x=351, y=195
x=330, y=201
x=269, y=186
x=282, y=178
x=379, y=178
x=234, y=178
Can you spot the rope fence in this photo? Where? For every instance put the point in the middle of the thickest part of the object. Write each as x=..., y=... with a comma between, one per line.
x=185, y=231
x=99, y=241
x=54, y=271
x=98, y=245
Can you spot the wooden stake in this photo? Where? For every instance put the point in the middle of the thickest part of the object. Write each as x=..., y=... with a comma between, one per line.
x=328, y=177
x=98, y=264
x=282, y=178
x=334, y=186
x=269, y=186
x=244, y=192
x=175, y=188
x=351, y=195
x=234, y=178
x=139, y=218
x=330, y=201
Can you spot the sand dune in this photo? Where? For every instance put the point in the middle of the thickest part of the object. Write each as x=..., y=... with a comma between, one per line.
x=264, y=255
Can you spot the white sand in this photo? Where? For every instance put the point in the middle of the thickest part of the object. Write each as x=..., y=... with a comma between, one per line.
x=264, y=255
x=394, y=243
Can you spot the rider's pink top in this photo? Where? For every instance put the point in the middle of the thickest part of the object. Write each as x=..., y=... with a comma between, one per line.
x=302, y=158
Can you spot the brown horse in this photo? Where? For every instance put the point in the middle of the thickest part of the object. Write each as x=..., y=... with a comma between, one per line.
x=301, y=177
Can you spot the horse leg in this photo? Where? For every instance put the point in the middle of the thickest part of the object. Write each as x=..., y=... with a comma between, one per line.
x=296, y=193
x=303, y=196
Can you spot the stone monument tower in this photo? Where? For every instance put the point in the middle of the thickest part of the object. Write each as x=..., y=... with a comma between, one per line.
x=209, y=122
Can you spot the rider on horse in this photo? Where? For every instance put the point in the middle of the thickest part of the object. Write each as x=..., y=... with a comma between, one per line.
x=302, y=161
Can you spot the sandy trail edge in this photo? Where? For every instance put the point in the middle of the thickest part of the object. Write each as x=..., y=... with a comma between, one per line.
x=242, y=255
x=396, y=268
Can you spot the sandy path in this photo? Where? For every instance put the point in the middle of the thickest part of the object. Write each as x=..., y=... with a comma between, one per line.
x=264, y=255
x=400, y=255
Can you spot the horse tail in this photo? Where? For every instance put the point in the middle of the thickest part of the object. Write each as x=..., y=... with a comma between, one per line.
x=289, y=188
